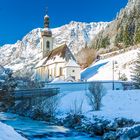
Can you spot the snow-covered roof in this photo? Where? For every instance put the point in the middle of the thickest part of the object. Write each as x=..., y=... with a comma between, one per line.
x=72, y=63
x=59, y=54
x=46, y=16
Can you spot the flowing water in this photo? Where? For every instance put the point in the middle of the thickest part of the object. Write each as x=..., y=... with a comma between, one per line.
x=40, y=130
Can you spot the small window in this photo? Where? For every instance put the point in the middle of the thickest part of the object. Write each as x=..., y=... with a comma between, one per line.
x=60, y=71
x=48, y=45
x=73, y=70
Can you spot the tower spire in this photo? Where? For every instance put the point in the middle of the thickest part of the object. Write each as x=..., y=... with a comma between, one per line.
x=46, y=19
x=46, y=37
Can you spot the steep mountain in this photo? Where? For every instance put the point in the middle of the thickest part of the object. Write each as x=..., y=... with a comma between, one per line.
x=77, y=34
x=25, y=54
x=122, y=32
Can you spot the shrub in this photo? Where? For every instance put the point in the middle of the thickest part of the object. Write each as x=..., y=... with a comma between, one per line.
x=97, y=91
x=123, y=77
x=76, y=109
x=46, y=107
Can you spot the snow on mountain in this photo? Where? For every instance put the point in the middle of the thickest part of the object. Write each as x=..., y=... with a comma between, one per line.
x=103, y=69
x=77, y=34
x=25, y=54
x=22, y=55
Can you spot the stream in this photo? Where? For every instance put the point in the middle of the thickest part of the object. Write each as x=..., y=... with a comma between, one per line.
x=40, y=130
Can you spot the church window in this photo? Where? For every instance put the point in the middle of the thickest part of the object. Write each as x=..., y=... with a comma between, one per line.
x=48, y=45
x=60, y=71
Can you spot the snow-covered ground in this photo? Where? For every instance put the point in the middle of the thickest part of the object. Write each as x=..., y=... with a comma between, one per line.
x=8, y=133
x=121, y=103
x=103, y=69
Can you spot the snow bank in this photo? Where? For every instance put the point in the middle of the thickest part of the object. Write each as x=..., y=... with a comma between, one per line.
x=121, y=104
x=8, y=133
x=58, y=80
x=117, y=103
x=74, y=102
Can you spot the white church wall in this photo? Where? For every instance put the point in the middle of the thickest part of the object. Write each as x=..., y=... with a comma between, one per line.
x=59, y=69
x=54, y=69
x=72, y=71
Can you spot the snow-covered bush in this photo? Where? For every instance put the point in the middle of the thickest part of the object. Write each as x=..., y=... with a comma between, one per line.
x=7, y=86
x=7, y=81
x=95, y=95
x=123, y=77
x=46, y=107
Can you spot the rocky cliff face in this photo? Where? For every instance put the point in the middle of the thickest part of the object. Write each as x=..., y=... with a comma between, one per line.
x=25, y=54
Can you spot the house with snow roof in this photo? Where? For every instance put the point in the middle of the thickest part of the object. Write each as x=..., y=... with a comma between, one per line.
x=56, y=62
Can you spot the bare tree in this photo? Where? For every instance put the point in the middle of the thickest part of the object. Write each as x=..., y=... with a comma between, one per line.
x=95, y=95
x=76, y=109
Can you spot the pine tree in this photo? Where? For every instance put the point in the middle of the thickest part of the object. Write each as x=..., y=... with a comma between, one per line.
x=137, y=35
x=136, y=72
x=127, y=37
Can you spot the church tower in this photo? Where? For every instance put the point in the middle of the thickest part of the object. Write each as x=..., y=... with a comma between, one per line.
x=46, y=38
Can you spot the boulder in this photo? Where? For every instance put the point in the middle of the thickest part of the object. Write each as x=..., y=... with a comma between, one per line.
x=110, y=136
x=129, y=133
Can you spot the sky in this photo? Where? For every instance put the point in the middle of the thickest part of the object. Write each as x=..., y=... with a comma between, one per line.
x=18, y=17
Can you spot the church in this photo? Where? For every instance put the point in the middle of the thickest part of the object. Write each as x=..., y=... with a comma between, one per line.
x=57, y=62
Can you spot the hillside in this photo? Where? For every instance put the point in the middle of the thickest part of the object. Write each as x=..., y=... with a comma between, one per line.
x=103, y=69
x=122, y=32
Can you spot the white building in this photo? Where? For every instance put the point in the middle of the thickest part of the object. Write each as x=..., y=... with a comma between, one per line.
x=58, y=62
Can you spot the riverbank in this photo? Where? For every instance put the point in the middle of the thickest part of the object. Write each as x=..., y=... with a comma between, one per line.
x=117, y=119
x=41, y=130
x=114, y=129
x=8, y=133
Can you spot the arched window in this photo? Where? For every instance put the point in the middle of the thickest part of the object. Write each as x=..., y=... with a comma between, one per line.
x=48, y=45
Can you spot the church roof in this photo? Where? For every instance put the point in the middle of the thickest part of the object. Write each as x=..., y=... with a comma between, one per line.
x=62, y=51
x=57, y=55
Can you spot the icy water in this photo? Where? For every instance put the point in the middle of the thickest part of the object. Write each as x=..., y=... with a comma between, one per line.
x=40, y=130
